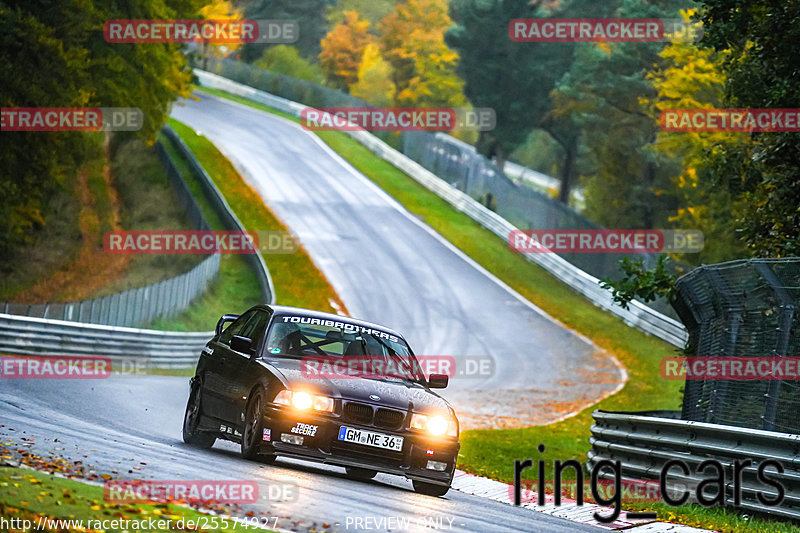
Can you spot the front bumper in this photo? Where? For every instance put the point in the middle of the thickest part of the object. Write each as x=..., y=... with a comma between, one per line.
x=324, y=446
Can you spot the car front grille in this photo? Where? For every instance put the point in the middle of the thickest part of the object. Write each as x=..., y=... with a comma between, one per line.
x=389, y=418
x=360, y=413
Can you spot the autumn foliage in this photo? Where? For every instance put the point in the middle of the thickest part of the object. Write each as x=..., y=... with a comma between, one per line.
x=406, y=64
x=412, y=41
x=343, y=48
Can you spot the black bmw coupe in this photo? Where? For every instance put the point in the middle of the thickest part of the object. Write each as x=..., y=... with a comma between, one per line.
x=317, y=386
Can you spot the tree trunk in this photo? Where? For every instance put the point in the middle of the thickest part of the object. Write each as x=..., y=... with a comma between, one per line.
x=568, y=170
x=650, y=178
x=499, y=157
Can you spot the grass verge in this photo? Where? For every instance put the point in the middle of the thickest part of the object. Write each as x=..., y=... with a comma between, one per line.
x=41, y=499
x=146, y=201
x=492, y=453
x=125, y=187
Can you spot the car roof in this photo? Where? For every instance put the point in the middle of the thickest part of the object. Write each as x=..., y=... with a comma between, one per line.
x=283, y=309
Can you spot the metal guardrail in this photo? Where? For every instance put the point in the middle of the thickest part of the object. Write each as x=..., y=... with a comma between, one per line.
x=638, y=315
x=230, y=220
x=643, y=442
x=132, y=307
x=38, y=336
x=135, y=307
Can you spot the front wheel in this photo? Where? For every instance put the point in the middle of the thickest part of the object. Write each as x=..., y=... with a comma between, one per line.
x=191, y=418
x=253, y=429
x=429, y=489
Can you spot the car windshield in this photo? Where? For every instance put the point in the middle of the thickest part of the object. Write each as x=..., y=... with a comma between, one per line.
x=365, y=352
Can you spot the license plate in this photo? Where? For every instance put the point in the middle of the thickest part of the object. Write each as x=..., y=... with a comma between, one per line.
x=371, y=438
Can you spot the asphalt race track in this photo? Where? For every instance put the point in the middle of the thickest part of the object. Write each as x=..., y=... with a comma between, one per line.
x=119, y=423
x=389, y=267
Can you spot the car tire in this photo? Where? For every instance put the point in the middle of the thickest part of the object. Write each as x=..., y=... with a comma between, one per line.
x=430, y=489
x=253, y=429
x=191, y=418
x=363, y=474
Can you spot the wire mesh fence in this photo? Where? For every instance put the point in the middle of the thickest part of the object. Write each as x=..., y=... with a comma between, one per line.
x=140, y=306
x=742, y=309
x=460, y=165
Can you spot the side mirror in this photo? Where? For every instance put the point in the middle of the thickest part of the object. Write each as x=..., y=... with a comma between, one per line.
x=438, y=381
x=241, y=344
x=222, y=321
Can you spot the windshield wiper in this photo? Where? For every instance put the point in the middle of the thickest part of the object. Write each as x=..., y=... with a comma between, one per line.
x=394, y=355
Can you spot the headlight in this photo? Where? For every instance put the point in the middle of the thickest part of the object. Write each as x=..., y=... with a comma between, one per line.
x=419, y=421
x=284, y=397
x=302, y=400
x=322, y=403
x=436, y=425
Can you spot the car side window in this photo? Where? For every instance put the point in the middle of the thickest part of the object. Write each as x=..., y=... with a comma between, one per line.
x=235, y=328
x=254, y=329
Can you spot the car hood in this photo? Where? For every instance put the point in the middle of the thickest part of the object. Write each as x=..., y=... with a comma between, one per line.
x=398, y=394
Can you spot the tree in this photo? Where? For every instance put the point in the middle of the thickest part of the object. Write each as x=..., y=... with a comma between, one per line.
x=132, y=75
x=638, y=282
x=514, y=79
x=372, y=10
x=52, y=55
x=342, y=50
x=219, y=10
x=600, y=95
x=309, y=14
x=374, y=83
x=286, y=60
x=603, y=95
x=762, y=70
x=689, y=77
x=424, y=67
